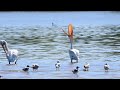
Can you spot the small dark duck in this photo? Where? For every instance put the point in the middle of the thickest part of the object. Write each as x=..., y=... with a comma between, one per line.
x=75, y=70
x=106, y=67
x=35, y=67
x=26, y=68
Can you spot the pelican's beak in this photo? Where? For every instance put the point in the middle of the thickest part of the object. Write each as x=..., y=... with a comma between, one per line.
x=70, y=32
x=64, y=32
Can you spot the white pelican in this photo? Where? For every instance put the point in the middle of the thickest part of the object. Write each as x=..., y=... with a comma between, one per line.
x=106, y=67
x=57, y=65
x=75, y=70
x=12, y=55
x=73, y=53
x=86, y=66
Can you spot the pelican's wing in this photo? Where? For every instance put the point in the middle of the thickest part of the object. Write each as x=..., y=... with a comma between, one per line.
x=73, y=54
x=64, y=32
x=14, y=51
x=70, y=31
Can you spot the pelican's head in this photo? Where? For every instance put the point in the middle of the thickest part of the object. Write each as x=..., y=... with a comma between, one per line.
x=2, y=42
x=4, y=45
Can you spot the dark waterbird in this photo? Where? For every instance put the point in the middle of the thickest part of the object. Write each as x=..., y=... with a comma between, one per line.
x=75, y=70
x=26, y=68
x=35, y=66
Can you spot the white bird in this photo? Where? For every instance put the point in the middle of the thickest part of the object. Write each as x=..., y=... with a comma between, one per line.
x=12, y=55
x=73, y=53
x=57, y=65
x=106, y=67
x=86, y=66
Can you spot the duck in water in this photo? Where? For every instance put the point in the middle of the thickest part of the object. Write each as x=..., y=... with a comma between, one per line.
x=75, y=70
x=35, y=67
x=26, y=68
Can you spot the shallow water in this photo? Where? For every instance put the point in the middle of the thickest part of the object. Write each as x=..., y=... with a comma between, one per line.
x=44, y=45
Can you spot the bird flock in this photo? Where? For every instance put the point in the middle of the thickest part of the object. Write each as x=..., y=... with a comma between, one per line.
x=12, y=55
x=34, y=67
x=86, y=67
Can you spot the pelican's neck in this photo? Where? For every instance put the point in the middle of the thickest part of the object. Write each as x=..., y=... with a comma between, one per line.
x=6, y=45
x=6, y=48
x=71, y=44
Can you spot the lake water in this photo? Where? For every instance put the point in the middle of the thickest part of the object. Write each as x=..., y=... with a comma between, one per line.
x=96, y=36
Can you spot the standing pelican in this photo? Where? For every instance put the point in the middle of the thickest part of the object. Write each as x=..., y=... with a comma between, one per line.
x=12, y=55
x=74, y=53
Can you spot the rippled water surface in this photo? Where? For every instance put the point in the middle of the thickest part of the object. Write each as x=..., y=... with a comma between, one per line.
x=42, y=43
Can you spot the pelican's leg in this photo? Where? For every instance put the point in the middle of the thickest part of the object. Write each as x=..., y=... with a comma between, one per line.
x=9, y=62
x=71, y=61
x=16, y=60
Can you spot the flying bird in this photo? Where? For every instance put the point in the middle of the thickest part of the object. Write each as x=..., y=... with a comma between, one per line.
x=73, y=53
x=11, y=54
